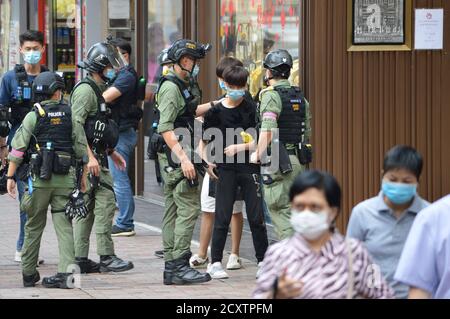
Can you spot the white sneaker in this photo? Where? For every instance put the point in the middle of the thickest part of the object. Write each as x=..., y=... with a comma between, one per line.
x=259, y=271
x=234, y=262
x=18, y=257
x=216, y=271
x=197, y=262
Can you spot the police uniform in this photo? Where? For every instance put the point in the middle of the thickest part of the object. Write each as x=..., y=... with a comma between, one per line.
x=86, y=101
x=276, y=190
x=176, y=102
x=54, y=126
x=16, y=94
x=182, y=201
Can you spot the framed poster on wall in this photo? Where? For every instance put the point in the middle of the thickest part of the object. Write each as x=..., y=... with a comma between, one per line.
x=379, y=25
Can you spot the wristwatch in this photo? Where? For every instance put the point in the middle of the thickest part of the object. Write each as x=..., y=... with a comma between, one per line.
x=11, y=178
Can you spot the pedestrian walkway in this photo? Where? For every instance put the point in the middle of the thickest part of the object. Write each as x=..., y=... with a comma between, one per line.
x=143, y=282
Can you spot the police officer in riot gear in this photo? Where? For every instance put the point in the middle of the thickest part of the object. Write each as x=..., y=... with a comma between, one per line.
x=15, y=96
x=178, y=107
x=45, y=149
x=285, y=108
x=102, y=133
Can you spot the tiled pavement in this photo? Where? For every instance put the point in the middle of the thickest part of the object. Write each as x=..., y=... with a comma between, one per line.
x=143, y=282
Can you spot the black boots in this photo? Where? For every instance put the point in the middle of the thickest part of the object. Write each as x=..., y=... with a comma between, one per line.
x=114, y=264
x=178, y=272
x=107, y=264
x=87, y=266
x=30, y=281
x=61, y=281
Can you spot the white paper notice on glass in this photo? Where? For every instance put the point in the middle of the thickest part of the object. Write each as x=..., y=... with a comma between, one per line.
x=119, y=9
x=429, y=29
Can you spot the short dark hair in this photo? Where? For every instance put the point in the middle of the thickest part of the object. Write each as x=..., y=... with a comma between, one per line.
x=236, y=75
x=122, y=44
x=406, y=157
x=225, y=63
x=32, y=35
x=321, y=181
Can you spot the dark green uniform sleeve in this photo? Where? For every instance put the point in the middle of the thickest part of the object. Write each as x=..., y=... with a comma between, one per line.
x=23, y=138
x=84, y=103
x=169, y=103
x=270, y=109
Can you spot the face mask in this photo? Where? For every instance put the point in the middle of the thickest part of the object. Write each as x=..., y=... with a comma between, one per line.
x=195, y=71
x=32, y=57
x=110, y=74
x=222, y=85
x=399, y=193
x=310, y=225
x=235, y=95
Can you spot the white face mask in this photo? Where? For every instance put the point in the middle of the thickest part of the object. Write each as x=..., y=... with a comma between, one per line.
x=310, y=225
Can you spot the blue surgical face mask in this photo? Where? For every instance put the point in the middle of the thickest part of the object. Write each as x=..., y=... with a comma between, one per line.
x=399, y=193
x=195, y=71
x=110, y=74
x=235, y=95
x=32, y=57
x=222, y=85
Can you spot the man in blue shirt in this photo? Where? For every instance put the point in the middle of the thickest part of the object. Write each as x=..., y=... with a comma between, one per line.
x=382, y=223
x=15, y=93
x=425, y=262
x=122, y=95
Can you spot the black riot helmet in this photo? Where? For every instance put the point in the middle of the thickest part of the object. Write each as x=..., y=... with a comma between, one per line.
x=3, y=180
x=100, y=56
x=279, y=62
x=46, y=84
x=190, y=48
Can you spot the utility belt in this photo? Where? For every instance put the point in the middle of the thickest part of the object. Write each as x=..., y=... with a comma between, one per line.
x=159, y=146
x=303, y=152
x=49, y=162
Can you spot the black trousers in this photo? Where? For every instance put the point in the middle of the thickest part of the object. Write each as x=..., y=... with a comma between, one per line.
x=228, y=182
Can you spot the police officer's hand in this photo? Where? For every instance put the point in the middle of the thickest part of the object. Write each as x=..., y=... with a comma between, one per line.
x=119, y=161
x=254, y=158
x=93, y=166
x=231, y=150
x=188, y=170
x=211, y=171
x=288, y=288
x=11, y=187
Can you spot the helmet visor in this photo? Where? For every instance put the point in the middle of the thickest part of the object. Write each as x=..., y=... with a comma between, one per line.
x=114, y=57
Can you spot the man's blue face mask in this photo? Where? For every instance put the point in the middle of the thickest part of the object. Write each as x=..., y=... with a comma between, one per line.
x=32, y=57
x=399, y=193
x=110, y=74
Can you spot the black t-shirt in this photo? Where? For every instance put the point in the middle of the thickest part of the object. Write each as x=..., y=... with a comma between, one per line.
x=125, y=82
x=238, y=119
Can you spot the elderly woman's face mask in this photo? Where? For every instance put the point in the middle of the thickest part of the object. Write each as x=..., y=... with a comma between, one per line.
x=311, y=215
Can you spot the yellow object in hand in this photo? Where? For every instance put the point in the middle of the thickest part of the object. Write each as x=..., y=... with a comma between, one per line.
x=247, y=138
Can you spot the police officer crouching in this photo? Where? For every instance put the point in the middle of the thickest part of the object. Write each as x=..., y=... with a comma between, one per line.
x=102, y=133
x=177, y=105
x=44, y=149
x=285, y=108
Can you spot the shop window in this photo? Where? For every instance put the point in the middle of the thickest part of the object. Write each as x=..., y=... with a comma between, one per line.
x=164, y=28
x=64, y=50
x=249, y=29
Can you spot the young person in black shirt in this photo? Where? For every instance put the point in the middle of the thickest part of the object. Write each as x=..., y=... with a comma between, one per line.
x=208, y=202
x=232, y=116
